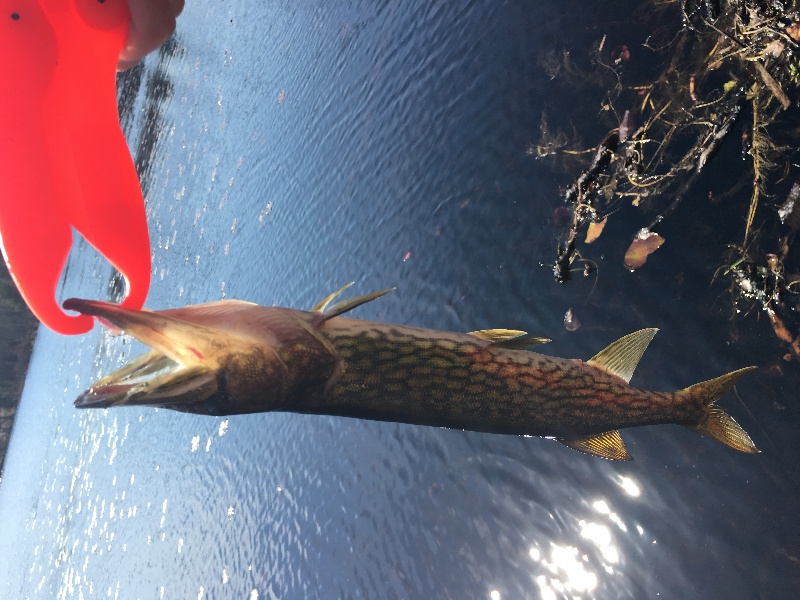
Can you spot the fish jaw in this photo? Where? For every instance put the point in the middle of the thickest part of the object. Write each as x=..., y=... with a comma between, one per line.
x=199, y=367
x=182, y=341
x=157, y=381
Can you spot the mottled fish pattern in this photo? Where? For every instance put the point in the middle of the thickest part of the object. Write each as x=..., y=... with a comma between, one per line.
x=234, y=357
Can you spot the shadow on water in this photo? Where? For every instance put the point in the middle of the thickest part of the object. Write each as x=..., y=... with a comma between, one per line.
x=158, y=90
x=17, y=330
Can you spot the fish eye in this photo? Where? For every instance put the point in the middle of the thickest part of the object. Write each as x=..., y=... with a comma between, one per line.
x=217, y=403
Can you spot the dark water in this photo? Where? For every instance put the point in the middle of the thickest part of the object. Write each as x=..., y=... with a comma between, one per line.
x=286, y=151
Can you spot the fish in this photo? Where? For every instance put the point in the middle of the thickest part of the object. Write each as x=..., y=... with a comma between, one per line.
x=233, y=357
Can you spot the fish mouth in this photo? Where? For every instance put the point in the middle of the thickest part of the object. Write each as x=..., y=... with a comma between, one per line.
x=174, y=374
x=151, y=380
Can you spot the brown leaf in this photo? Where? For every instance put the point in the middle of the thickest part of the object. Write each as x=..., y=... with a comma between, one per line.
x=780, y=329
x=594, y=231
x=775, y=48
x=643, y=245
x=793, y=31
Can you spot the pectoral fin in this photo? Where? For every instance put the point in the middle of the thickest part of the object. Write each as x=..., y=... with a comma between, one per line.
x=605, y=445
x=512, y=339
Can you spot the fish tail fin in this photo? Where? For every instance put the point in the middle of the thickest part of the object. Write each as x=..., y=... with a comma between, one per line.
x=715, y=422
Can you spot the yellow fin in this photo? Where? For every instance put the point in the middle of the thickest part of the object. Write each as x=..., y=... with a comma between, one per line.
x=716, y=423
x=621, y=357
x=323, y=304
x=512, y=339
x=328, y=312
x=605, y=445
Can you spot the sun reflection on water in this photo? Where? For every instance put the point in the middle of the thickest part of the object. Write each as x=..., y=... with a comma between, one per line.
x=567, y=571
x=630, y=486
x=573, y=569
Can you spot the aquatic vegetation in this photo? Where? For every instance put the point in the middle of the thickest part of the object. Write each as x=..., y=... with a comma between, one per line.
x=705, y=70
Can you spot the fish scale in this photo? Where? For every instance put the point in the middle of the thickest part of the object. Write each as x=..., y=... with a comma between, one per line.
x=467, y=384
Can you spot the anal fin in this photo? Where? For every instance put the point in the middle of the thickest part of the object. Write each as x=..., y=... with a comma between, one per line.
x=608, y=444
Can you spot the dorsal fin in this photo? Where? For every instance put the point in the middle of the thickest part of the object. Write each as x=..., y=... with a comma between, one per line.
x=328, y=312
x=511, y=339
x=608, y=444
x=323, y=304
x=621, y=357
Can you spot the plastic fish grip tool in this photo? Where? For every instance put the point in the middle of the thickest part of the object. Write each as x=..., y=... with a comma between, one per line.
x=64, y=161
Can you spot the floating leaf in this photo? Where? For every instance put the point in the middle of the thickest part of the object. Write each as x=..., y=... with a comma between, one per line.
x=561, y=216
x=775, y=48
x=626, y=126
x=729, y=85
x=780, y=329
x=789, y=212
x=595, y=229
x=644, y=244
x=620, y=54
x=571, y=322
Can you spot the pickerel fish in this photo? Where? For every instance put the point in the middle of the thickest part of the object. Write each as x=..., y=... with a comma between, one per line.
x=232, y=357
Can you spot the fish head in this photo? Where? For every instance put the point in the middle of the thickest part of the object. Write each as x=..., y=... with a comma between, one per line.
x=213, y=359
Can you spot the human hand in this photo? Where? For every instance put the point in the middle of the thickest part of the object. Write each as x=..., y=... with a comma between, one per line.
x=152, y=23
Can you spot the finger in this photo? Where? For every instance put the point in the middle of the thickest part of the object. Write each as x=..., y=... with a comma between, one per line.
x=152, y=22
